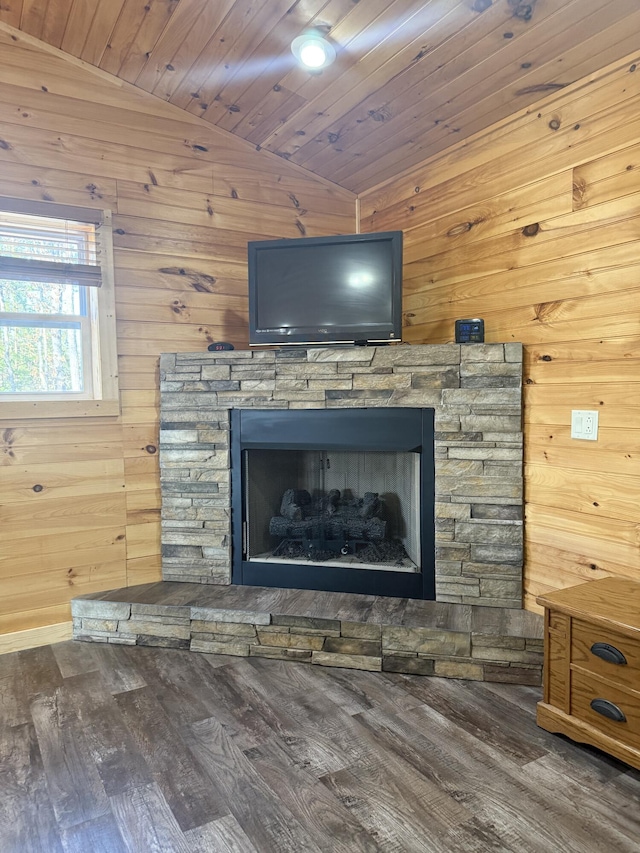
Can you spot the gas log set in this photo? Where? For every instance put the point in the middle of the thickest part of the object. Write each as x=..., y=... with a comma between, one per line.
x=327, y=525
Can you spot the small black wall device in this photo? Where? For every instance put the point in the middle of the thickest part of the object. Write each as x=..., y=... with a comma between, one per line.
x=470, y=331
x=220, y=346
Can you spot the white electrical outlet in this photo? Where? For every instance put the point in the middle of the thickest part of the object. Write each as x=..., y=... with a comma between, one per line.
x=584, y=424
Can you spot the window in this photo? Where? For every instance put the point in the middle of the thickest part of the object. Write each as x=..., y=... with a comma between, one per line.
x=57, y=327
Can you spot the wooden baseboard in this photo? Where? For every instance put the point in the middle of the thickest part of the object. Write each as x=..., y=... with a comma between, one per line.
x=33, y=637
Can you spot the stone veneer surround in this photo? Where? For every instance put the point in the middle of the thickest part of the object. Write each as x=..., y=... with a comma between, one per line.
x=475, y=390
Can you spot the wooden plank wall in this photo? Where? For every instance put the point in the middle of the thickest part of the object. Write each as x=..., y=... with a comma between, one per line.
x=534, y=226
x=186, y=198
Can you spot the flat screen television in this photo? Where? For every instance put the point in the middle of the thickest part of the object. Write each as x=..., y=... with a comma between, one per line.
x=326, y=290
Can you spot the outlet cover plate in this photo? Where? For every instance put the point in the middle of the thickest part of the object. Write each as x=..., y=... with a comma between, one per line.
x=584, y=424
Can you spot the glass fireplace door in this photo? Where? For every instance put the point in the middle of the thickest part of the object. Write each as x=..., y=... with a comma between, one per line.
x=346, y=508
x=334, y=499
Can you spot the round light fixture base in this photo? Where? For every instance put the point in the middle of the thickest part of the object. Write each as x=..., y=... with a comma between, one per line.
x=313, y=51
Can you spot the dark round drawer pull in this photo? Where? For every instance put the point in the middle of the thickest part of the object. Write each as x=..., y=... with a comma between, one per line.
x=608, y=653
x=609, y=710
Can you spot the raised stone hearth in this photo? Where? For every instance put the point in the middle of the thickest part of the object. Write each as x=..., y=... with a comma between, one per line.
x=322, y=628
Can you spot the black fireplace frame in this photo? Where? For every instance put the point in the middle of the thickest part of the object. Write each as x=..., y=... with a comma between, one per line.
x=392, y=429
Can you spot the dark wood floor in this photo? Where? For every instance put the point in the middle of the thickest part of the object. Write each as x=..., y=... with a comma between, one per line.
x=108, y=748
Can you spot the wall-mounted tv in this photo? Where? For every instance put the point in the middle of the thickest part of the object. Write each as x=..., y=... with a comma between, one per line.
x=326, y=290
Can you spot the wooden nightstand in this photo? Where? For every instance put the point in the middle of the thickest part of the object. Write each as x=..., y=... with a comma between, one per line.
x=592, y=666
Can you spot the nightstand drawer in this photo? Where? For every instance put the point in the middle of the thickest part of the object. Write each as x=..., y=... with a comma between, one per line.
x=599, y=703
x=606, y=653
x=592, y=665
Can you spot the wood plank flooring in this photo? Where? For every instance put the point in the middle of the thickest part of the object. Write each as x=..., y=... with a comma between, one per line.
x=107, y=748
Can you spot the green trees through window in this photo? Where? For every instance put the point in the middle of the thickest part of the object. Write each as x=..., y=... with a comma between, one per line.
x=41, y=343
x=44, y=306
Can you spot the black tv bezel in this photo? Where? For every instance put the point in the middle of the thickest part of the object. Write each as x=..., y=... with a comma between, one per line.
x=336, y=335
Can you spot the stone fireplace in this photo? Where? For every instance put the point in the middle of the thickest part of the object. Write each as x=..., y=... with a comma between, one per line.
x=467, y=475
x=473, y=393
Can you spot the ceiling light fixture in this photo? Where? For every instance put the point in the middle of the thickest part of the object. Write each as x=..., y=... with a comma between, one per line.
x=313, y=51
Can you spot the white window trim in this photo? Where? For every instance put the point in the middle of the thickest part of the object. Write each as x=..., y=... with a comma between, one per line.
x=104, y=359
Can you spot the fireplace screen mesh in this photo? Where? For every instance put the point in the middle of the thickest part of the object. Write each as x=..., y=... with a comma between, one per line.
x=346, y=508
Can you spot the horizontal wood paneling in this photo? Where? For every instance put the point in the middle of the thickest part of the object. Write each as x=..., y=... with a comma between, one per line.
x=186, y=199
x=534, y=226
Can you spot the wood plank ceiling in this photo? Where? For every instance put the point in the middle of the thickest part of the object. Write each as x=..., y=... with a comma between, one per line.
x=411, y=76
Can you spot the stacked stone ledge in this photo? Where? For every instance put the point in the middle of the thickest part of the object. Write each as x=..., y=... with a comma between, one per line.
x=484, y=646
x=475, y=390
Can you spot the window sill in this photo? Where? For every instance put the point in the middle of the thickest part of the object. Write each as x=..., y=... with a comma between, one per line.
x=19, y=410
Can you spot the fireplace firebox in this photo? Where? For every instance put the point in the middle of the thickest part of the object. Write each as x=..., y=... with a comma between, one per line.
x=339, y=500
